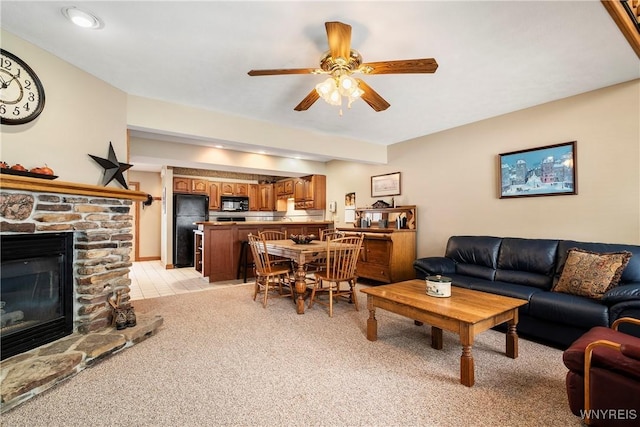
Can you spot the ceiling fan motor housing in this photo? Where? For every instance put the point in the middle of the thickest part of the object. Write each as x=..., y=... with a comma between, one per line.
x=337, y=66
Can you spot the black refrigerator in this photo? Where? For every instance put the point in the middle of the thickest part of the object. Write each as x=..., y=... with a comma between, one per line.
x=187, y=210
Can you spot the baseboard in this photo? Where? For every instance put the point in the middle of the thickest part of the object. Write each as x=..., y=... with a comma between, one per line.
x=149, y=258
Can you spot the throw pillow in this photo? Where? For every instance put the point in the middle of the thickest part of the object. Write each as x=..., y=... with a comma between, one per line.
x=591, y=274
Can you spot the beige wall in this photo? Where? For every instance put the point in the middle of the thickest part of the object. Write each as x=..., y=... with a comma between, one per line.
x=452, y=175
x=82, y=114
x=150, y=216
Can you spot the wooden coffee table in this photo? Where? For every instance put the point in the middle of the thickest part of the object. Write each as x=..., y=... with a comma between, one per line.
x=466, y=313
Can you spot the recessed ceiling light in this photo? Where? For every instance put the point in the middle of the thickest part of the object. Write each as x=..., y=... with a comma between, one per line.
x=219, y=146
x=81, y=18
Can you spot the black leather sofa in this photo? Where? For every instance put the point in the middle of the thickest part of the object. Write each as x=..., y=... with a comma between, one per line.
x=528, y=269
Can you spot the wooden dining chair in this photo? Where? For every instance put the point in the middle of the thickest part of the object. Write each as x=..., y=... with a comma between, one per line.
x=270, y=278
x=330, y=233
x=320, y=262
x=340, y=267
x=277, y=235
x=273, y=235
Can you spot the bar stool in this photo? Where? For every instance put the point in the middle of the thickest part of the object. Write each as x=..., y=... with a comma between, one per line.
x=243, y=262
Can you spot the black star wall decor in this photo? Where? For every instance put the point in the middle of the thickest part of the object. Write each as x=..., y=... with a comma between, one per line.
x=112, y=168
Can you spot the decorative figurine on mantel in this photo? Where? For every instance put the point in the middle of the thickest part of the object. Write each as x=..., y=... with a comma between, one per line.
x=112, y=168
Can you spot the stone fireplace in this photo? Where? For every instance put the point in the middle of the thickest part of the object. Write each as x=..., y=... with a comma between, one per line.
x=102, y=242
x=98, y=223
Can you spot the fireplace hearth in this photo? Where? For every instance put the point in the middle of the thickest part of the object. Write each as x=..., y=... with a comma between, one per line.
x=36, y=290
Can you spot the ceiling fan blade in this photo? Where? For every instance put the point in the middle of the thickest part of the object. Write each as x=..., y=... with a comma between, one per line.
x=282, y=71
x=308, y=101
x=371, y=97
x=425, y=65
x=339, y=37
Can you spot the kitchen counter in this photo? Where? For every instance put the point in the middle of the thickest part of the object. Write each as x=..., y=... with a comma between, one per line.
x=223, y=242
x=252, y=223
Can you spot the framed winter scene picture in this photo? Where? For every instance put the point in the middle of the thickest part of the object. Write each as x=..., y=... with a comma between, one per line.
x=542, y=171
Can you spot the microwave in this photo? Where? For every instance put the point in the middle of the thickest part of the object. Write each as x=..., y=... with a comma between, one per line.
x=234, y=203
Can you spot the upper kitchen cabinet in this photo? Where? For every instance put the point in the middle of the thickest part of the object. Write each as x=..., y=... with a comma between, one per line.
x=284, y=188
x=199, y=186
x=254, y=197
x=234, y=189
x=241, y=189
x=214, y=196
x=181, y=185
x=190, y=185
x=226, y=188
x=310, y=192
x=265, y=197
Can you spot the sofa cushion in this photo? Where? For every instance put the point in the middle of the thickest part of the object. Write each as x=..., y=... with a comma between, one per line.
x=630, y=274
x=474, y=255
x=591, y=274
x=462, y=280
x=474, y=270
x=568, y=309
x=529, y=262
x=505, y=289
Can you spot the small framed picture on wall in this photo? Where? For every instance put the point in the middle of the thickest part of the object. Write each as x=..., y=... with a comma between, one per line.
x=385, y=185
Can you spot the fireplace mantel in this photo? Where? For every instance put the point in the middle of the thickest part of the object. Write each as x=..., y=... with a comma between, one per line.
x=15, y=182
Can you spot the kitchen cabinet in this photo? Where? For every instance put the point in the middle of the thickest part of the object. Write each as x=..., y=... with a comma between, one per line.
x=265, y=197
x=199, y=186
x=234, y=189
x=214, y=196
x=310, y=192
x=220, y=241
x=190, y=185
x=254, y=197
x=240, y=189
x=387, y=252
x=300, y=190
x=226, y=188
x=284, y=189
x=181, y=185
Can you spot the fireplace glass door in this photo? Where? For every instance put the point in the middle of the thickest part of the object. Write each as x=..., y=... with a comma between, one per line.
x=36, y=287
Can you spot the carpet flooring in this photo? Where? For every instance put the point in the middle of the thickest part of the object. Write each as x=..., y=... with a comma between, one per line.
x=222, y=359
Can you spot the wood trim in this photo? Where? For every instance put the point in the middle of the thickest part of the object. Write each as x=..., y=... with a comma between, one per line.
x=149, y=258
x=136, y=224
x=15, y=182
x=624, y=22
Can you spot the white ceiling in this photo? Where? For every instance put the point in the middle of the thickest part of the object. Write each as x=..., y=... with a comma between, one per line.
x=494, y=57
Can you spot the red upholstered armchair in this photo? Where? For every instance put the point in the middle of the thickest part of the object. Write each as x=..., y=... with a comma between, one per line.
x=603, y=382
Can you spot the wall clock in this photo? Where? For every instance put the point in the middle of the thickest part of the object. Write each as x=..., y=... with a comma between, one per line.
x=21, y=92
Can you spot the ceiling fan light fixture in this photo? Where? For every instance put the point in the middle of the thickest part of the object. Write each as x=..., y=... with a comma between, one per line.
x=328, y=90
x=347, y=84
x=326, y=87
x=333, y=89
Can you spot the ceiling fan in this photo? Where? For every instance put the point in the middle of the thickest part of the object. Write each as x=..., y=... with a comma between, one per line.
x=339, y=62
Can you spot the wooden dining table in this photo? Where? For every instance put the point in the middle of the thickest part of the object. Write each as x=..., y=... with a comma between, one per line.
x=301, y=254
